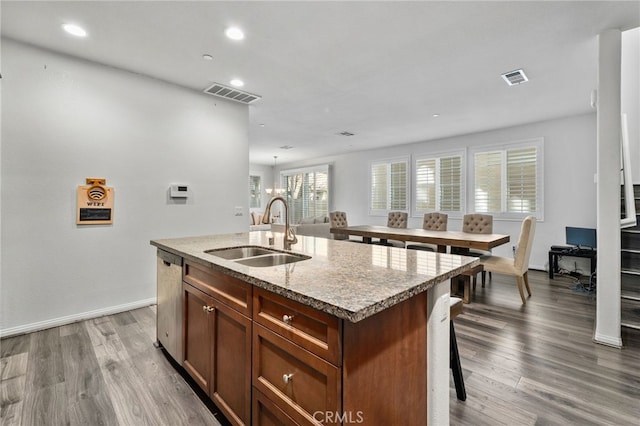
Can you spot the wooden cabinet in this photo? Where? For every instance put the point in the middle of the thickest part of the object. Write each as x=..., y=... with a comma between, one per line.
x=217, y=341
x=268, y=360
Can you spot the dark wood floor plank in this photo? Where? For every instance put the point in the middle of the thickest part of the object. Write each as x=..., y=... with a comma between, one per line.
x=46, y=406
x=128, y=391
x=14, y=345
x=11, y=400
x=89, y=402
x=44, y=365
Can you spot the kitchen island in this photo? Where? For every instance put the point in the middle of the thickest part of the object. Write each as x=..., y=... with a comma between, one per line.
x=355, y=334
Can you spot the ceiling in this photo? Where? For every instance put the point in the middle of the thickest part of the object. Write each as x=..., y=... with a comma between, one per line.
x=379, y=70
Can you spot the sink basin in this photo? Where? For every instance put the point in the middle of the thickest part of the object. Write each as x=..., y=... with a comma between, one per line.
x=273, y=259
x=240, y=252
x=256, y=256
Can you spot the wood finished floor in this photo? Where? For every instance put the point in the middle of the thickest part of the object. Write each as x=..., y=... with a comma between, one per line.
x=523, y=365
x=104, y=371
x=537, y=365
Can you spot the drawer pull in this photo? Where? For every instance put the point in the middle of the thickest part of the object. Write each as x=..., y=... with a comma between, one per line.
x=286, y=378
x=287, y=318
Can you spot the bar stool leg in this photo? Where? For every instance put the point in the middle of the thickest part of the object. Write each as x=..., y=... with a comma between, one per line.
x=454, y=362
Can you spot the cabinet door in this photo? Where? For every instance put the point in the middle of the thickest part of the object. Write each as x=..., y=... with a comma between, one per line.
x=231, y=381
x=198, y=308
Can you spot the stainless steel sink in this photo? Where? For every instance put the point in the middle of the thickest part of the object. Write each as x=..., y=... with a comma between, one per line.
x=240, y=252
x=256, y=256
x=272, y=259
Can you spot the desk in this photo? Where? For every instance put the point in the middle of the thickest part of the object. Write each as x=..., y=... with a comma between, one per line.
x=442, y=239
x=592, y=255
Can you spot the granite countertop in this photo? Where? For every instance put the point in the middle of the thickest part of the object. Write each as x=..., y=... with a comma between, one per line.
x=349, y=280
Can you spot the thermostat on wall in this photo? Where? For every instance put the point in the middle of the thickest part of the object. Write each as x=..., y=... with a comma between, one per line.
x=179, y=191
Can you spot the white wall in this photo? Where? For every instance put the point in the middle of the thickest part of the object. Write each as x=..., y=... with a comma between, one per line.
x=266, y=175
x=65, y=120
x=630, y=92
x=569, y=168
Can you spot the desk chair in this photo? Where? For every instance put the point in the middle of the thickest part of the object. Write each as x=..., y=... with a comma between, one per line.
x=433, y=222
x=455, y=309
x=519, y=264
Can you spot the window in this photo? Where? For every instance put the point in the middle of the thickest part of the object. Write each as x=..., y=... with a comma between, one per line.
x=389, y=185
x=255, y=196
x=439, y=184
x=307, y=192
x=508, y=180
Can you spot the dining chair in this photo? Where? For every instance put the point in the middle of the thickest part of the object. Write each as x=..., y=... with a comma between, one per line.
x=396, y=220
x=476, y=223
x=519, y=264
x=338, y=219
x=431, y=222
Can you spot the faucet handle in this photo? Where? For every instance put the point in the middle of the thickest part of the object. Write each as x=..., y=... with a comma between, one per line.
x=292, y=236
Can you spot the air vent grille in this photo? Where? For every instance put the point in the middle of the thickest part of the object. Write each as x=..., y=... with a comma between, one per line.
x=231, y=93
x=514, y=77
x=346, y=133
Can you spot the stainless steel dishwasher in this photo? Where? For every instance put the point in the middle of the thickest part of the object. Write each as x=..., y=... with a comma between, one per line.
x=169, y=308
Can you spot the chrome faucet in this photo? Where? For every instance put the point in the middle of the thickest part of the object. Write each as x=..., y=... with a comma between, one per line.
x=289, y=235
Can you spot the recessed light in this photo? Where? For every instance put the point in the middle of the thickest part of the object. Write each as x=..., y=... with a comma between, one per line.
x=74, y=30
x=262, y=124
x=237, y=82
x=207, y=57
x=234, y=33
x=436, y=115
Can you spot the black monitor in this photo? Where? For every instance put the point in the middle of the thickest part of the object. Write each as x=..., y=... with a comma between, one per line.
x=581, y=237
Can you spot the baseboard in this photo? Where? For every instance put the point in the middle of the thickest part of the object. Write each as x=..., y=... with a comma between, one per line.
x=615, y=342
x=57, y=322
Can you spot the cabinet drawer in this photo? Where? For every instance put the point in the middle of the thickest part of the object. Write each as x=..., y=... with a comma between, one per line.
x=228, y=290
x=297, y=381
x=266, y=413
x=316, y=331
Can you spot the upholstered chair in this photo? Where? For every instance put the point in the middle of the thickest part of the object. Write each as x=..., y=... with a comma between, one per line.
x=339, y=220
x=432, y=222
x=519, y=264
x=396, y=220
x=476, y=223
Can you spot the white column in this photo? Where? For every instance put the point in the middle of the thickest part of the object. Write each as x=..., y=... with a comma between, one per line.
x=438, y=354
x=608, y=191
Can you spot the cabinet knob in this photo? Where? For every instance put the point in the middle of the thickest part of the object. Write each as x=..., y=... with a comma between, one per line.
x=204, y=308
x=210, y=309
x=287, y=318
x=286, y=378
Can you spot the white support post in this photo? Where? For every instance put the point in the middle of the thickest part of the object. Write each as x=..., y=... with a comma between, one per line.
x=608, y=192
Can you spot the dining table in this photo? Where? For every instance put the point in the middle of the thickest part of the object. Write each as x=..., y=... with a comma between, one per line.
x=463, y=241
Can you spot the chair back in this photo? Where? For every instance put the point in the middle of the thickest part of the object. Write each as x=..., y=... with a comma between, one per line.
x=525, y=242
x=435, y=221
x=477, y=223
x=397, y=220
x=338, y=220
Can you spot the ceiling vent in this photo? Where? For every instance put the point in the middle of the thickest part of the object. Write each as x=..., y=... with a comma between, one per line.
x=514, y=77
x=231, y=93
x=345, y=133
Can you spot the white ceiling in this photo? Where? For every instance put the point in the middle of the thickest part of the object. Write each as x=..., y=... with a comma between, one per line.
x=377, y=69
